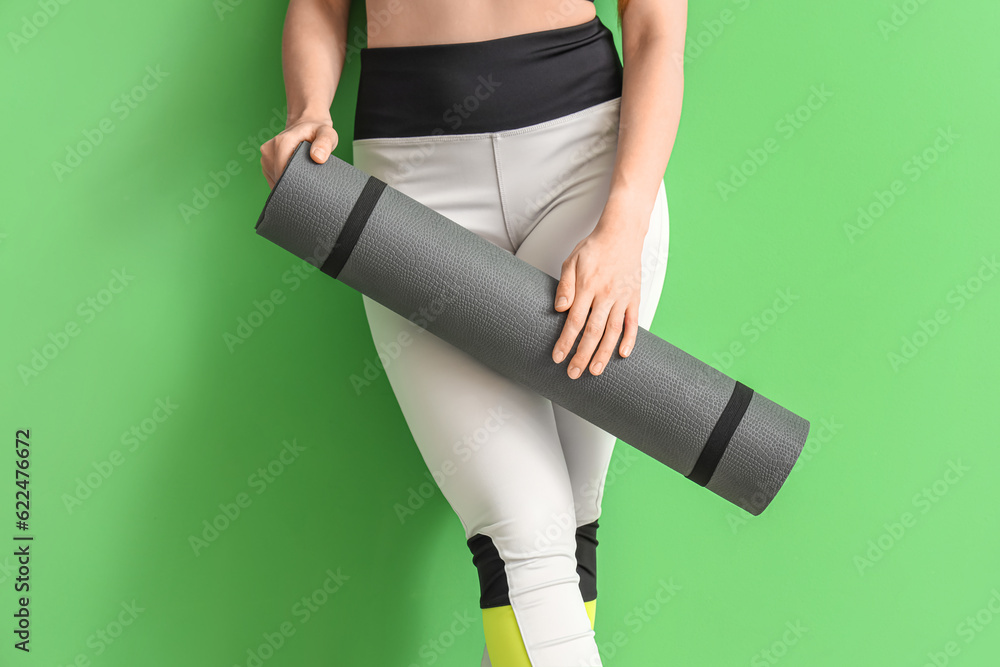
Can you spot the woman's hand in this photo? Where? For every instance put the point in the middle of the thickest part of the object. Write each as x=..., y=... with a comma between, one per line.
x=600, y=286
x=274, y=154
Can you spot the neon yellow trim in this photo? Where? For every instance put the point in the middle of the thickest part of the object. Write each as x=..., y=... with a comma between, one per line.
x=591, y=611
x=503, y=638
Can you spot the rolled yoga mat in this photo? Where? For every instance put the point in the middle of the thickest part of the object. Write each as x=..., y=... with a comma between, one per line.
x=712, y=429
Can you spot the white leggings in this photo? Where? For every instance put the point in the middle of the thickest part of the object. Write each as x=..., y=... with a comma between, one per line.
x=513, y=466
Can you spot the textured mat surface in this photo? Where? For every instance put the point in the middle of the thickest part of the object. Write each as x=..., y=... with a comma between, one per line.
x=660, y=400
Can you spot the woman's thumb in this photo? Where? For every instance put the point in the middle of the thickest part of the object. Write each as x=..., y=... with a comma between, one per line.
x=323, y=143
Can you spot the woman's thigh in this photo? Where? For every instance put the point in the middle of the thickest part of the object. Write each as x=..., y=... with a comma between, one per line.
x=491, y=444
x=552, y=204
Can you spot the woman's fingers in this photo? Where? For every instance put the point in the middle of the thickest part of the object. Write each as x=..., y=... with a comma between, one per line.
x=576, y=318
x=593, y=331
x=286, y=144
x=566, y=288
x=273, y=157
x=275, y=153
x=564, y=298
x=631, y=328
x=602, y=298
x=266, y=161
x=611, y=333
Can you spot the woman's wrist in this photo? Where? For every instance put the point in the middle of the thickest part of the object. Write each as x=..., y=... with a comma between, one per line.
x=308, y=114
x=626, y=213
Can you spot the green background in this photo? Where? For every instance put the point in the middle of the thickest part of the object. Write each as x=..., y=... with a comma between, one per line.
x=831, y=555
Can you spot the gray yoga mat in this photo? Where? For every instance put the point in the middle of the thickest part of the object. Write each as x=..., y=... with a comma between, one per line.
x=667, y=404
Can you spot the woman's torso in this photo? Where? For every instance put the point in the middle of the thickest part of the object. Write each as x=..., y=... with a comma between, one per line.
x=415, y=22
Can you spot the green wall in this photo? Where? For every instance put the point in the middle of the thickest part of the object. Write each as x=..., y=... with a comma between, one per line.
x=840, y=158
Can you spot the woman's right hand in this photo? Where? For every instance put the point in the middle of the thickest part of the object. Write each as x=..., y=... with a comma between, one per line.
x=274, y=154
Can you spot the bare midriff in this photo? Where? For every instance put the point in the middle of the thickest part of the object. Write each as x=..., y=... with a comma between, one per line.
x=420, y=22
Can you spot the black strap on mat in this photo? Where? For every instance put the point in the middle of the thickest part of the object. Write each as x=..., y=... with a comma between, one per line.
x=723, y=431
x=353, y=226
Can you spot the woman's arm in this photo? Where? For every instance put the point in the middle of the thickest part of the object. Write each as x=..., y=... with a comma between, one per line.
x=313, y=49
x=652, y=91
x=600, y=281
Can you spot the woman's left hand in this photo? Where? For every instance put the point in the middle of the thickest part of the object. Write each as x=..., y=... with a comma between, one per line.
x=600, y=286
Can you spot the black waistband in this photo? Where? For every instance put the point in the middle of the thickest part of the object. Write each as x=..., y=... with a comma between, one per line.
x=486, y=86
